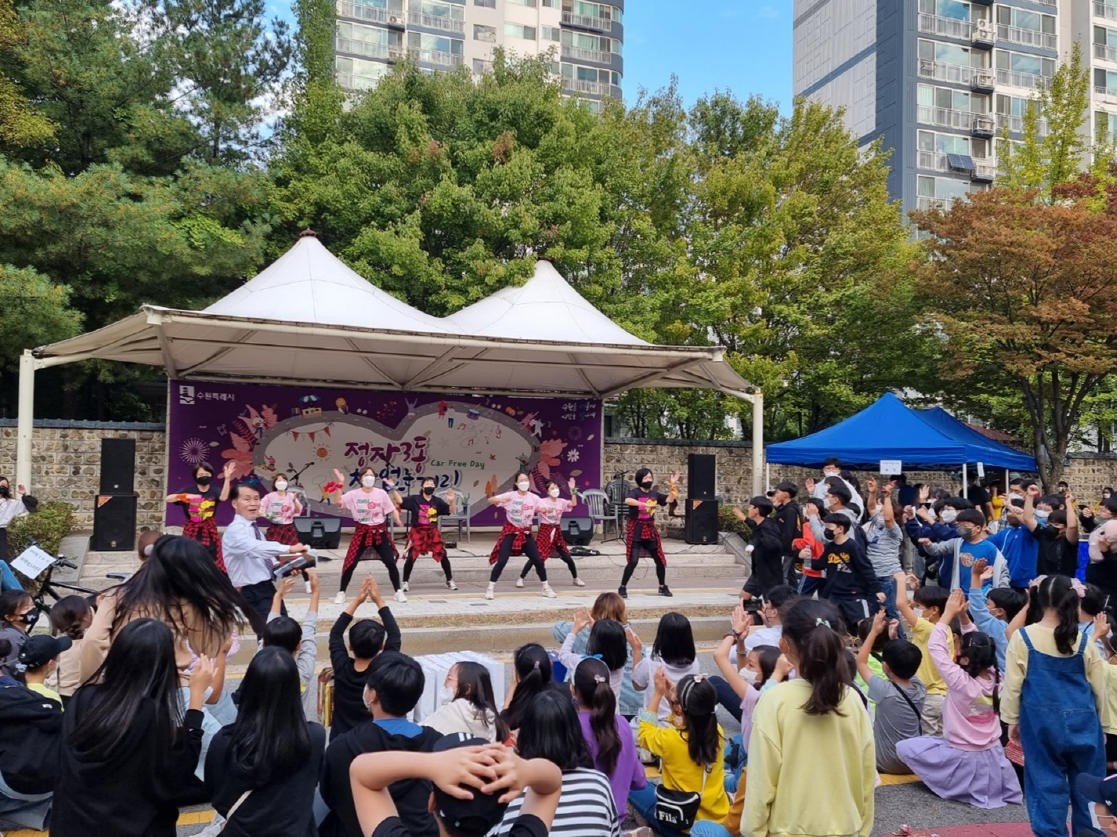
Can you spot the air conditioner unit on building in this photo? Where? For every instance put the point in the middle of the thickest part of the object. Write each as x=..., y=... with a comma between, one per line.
x=983, y=26
x=396, y=19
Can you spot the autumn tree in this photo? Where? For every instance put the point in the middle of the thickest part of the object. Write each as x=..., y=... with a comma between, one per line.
x=1023, y=292
x=20, y=124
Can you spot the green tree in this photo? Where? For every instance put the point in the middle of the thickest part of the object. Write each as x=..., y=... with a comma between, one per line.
x=20, y=124
x=35, y=311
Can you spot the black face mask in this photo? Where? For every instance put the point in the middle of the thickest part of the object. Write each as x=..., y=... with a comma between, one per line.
x=30, y=617
x=828, y=534
x=5, y=491
x=428, y=491
x=646, y=485
x=204, y=480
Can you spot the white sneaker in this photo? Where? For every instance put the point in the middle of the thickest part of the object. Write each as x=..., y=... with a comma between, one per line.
x=579, y=583
x=401, y=596
x=490, y=593
x=405, y=588
x=548, y=592
x=519, y=582
x=339, y=598
x=450, y=584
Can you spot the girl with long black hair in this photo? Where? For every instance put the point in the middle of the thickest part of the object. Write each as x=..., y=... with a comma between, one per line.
x=674, y=650
x=130, y=747
x=264, y=767
x=817, y=718
x=531, y=677
x=608, y=640
x=1054, y=703
x=551, y=731
x=470, y=706
x=608, y=736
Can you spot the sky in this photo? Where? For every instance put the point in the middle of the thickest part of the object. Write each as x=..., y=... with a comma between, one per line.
x=738, y=45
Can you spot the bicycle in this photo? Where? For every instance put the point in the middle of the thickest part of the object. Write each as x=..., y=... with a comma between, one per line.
x=49, y=587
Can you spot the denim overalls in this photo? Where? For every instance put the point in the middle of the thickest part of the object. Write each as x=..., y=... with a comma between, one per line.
x=1061, y=736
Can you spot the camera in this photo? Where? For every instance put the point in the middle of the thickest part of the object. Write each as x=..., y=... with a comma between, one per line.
x=301, y=563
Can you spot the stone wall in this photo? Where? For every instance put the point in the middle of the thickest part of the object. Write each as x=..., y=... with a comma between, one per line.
x=67, y=458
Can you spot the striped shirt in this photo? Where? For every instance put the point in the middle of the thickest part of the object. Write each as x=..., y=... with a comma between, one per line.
x=585, y=809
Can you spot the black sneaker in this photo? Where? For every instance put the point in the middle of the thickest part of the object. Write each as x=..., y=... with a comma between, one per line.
x=622, y=591
x=664, y=590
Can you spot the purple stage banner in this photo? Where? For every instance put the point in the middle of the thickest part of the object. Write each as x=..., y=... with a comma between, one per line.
x=473, y=443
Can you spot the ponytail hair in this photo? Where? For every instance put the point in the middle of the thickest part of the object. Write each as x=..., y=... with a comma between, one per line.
x=591, y=685
x=980, y=653
x=811, y=627
x=698, y=700
x=1057, y=592
x=533, y=676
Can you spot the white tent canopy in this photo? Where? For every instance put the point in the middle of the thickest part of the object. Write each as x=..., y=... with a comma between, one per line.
x=309, y=319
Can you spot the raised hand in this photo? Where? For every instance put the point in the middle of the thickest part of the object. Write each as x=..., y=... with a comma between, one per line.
x=228, y=470
x=634, y=640
x=449, y=495
x=871, y=485
x=582, y=618
x=339, y=476
x=662, y=684
x=810, y=484
x=572, y=484
x=740, y=620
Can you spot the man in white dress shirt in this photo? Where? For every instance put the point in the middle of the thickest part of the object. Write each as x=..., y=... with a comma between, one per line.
x=249, y=559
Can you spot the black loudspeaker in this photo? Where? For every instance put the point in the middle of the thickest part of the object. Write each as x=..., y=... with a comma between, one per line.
x=578, y=531
x=700, y=470
x=118, y=466
x=701, y=524
x=319, y=532
x=114, y=523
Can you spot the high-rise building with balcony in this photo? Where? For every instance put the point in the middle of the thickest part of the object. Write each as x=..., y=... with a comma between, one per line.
x=444, y=34
x=938, y=81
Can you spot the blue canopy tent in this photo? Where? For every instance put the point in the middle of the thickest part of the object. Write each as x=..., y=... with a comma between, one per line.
x=890, y=430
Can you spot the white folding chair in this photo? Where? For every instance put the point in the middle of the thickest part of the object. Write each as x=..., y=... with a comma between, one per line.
x=601, y=510
x=460, y=518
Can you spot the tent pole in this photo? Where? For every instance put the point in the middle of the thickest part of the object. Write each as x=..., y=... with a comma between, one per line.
x=25, y=418
x=965, y=481
x=757, y=443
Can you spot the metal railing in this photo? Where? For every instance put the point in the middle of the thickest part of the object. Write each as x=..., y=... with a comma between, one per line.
x=983, y=124
x=947, y=27
x=957, y=73
x=370, y=13
x=349, y=81
x=482, y=66
x=447, y=24
x=1105, y=52
x=945, y=117
x=434, y=56
x=587, y=54
x=932, y=161
x=1108, y=92
x=1015, y=124
x=985, y=170
x=1106, y=10
x=591, y=88
x=366, y=49
x=926, y=204
x=1031, y=81
x=1026, y=37
x=587, y=21
x=982, y=78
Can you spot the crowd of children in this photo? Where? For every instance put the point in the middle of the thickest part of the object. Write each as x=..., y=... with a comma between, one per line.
x=843, y=651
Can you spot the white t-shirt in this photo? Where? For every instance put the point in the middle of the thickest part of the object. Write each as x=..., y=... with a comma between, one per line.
x=643, y=677
x=764, y=636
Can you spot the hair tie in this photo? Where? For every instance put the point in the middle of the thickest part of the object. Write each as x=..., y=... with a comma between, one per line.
x=535, y=666
x=698, y=678
x=1078, y=587
x=591, y=657
x=20, y=667
x=148, y=550
x=597, y=678
x=820, y=621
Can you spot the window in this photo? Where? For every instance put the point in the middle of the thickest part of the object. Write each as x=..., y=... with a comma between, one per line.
x=946, y=97
x=552, y=33
x=942, y=187
x=550, y=4
x=390, y=5
x=481, y=66
x=354, y=74
x=1106, y=79
x=579, y=40
x=434, y=43
x=945, y=8
x=518, y=30
x=487, y=4
x=1108, y=37
x=522, y=2
x=1032, y=65
x=1106, y=125
x=1015, y=105
x=943, y=143
x=942, y=53
x=450, y=11
x=1023, y=19
x=484, y=33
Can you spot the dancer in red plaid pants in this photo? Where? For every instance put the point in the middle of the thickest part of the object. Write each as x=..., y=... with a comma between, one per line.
x=642, y=536
x=199, y=503
x=370, y=507
x=549, y=537
x=425, y=536
x=280, y=508
x=515, y=537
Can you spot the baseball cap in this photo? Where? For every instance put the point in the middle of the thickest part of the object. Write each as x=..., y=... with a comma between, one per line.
x=1101, y=789
x=478, y=815
x=40, y=650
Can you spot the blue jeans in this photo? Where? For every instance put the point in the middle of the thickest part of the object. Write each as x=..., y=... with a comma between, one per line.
x=888, y=585
x=709, y=828
x=643, y=801
x=8, y=580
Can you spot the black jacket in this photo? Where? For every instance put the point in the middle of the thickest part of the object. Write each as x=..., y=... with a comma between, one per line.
x=412, y=796
x=349, y=684
x=30, y=735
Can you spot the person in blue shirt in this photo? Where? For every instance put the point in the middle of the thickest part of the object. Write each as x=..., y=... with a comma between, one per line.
x=993, y=610
x=957, y=555
x=1016, y=541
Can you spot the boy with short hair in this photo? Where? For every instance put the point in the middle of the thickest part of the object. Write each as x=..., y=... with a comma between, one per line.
x=931, y=602
x=472, y=783
x=958, y=554
x=898, y=696
x=765, y=547
x=367, y=638
x=394, y=686
x=850, y=581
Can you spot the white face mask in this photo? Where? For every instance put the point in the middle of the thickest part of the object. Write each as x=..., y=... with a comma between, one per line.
x=369, y=481
x=522, y=485
x=750, y=676
x=554, y=492
x=281, y=486
x=948, y=515
x=445, y=696
x=918, y=611
x=830, y=472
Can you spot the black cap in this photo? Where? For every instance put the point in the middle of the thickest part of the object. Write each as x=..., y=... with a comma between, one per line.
x=478, y=815
x=1101, y=789
x=41, y=649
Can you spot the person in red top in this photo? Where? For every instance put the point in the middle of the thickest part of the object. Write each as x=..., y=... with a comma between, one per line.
x=642, y=536
x=280, y=507
x=370, y=507
x=199, y=502
x=515, y=536
x=549, y=537
x=425, y=536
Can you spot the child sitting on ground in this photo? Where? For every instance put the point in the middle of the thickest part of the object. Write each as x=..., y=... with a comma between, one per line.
x=898, y=694
x=71, y=616
x=300, y=641
x=673, y=650
x=367, y=638
x=37, y=661
x=922, y=613
x=968, y=764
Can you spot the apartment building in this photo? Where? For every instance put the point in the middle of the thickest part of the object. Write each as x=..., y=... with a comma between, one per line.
x=940, y=80
x=586, y=38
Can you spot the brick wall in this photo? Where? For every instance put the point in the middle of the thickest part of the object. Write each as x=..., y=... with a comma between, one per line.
x=67, y=459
